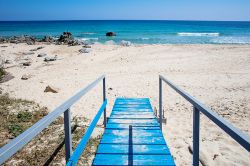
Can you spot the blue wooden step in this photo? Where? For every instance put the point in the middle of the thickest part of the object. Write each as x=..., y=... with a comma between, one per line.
x=132, y=136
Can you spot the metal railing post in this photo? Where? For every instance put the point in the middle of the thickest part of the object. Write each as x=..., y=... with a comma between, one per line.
x=160, y=102
x=104, y=98
x=196, y=136
x=67, y=133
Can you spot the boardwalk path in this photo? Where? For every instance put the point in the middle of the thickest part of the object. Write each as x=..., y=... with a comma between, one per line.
x=133, y=136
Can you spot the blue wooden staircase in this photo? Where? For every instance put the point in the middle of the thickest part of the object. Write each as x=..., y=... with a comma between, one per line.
x=133, y=136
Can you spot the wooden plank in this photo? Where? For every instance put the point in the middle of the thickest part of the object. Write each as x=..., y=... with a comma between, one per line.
x=131, y=113
x=119, y=159
x=132, y=109
x=126, y=126
x=135, y=106
x=136, y=140
x=152, y=133
x=137, y=149
x=132, y=99
x=133, y=116
x=131, y=103
x=134, y=121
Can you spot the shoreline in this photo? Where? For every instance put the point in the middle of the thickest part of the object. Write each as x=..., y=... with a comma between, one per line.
x=216, y=74
x=132, y=44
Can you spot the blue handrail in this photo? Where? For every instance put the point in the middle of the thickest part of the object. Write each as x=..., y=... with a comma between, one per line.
x=81, y=146
x=17, y=143
x=236, y=134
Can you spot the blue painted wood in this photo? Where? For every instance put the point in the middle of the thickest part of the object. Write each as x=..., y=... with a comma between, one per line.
x=136, y=140
x=134, y=121
x=132, y=116
x=133, y=136
x=125, y=126
x=131, y=112
x=137, y=149
x=122, y=159
x=136, y=132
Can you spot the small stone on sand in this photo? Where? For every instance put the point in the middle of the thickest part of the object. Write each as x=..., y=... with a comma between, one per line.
x=51, y=89
x=27, y=63
x=26, y=77
x=41, y=55
x=85, y=50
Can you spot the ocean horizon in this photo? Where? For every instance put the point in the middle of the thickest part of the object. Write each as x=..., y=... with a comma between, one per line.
x=135, y=31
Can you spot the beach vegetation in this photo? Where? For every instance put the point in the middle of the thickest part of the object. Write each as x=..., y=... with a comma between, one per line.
x=17, y=115
x=2, y=71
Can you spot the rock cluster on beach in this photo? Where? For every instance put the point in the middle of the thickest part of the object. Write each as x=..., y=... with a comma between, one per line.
x=48, y=39
x=30, y=40
x=65, y=39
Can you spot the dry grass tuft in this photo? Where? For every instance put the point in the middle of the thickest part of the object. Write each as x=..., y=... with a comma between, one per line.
x=47, y=148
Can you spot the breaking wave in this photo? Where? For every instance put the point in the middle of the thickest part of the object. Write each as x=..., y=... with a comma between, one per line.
x=87, y=39
x=231, y=40
x=88, y=33
x=197, y=34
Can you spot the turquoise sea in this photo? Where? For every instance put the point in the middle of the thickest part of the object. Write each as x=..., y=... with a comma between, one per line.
x=141, y=32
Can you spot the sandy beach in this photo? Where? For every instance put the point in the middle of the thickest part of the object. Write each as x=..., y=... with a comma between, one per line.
x=217, y=75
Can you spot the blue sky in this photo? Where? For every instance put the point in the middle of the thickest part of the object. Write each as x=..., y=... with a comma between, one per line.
x=125, y=10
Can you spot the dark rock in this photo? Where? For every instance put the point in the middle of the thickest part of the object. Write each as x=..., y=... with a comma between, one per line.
x=38, y=48
x=110, y=34
x=65, y=37
x=48, y=39
x=27, y=63
x=215, y=156
x=26, y=76
x=74, y=43
x=28, y=53
x=47, y=59
x=3, y=40
x=85, y=50
x=86, y=46
x=41, y=55
x=51, y=89
x=27, y=39
x=30, y=43
x=22, y=39
x=13, y=41
x=7, y=61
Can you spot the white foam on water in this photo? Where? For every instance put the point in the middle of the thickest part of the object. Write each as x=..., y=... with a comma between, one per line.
x=197, y=34
x=86, y=39
x=110, y=42
x=88, y=33
x=145, y=38
x=231, y=40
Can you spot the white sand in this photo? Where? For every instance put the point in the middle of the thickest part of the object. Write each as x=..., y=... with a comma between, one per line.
x=217, y=75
